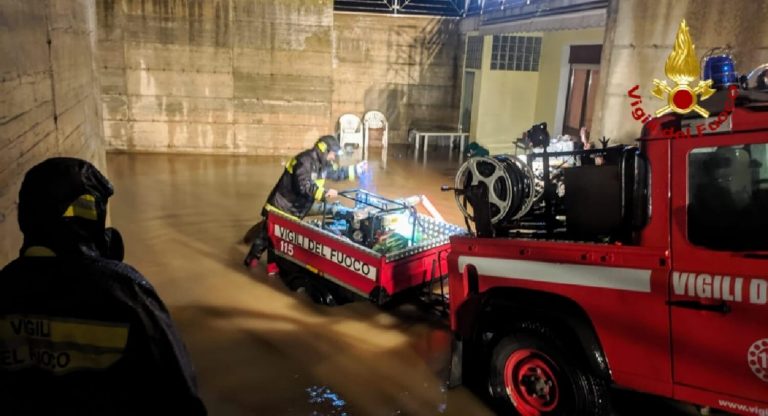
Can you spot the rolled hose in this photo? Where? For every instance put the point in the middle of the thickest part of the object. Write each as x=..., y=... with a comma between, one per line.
x=510, y=184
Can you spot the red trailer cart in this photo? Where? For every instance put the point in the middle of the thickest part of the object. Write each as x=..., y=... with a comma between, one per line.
x=368, y=246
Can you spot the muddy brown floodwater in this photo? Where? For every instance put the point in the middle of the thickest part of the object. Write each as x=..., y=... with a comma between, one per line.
x=258, y=348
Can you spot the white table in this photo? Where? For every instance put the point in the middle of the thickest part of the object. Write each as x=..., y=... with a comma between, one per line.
x=437, y=135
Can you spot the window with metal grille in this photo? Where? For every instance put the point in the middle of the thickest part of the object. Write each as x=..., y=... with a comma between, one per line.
x=515, y=53
x=474, y=56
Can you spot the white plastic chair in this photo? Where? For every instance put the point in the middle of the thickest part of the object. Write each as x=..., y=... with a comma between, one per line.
x=350, y=131
x=375, y=120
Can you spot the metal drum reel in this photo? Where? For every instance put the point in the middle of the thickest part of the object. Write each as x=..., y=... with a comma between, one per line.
x=509, y=181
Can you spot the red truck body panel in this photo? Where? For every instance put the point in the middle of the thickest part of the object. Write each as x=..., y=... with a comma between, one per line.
x=622, y=289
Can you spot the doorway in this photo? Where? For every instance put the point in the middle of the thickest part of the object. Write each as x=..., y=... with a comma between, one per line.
x=466, y=101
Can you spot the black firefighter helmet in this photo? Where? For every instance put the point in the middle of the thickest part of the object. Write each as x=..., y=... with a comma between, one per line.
x=63, y=204
x=328, y=144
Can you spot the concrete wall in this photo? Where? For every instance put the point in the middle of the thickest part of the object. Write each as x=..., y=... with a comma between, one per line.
x=222, y=76
x=49, y=102
x=405, y=67
x=262, y=77
x=554, y=70
x=639, y=37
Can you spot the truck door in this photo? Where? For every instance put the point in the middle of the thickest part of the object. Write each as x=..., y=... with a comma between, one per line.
x=719, y=281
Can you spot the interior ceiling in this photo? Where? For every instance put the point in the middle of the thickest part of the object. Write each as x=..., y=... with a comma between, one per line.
x=453, y=8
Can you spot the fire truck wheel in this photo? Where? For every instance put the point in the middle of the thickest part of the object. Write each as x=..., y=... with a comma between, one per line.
x=533, y=375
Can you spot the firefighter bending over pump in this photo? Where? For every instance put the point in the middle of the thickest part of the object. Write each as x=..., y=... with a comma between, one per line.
x=301, y=185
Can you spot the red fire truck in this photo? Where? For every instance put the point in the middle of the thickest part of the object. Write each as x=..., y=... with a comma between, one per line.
x=640, y=267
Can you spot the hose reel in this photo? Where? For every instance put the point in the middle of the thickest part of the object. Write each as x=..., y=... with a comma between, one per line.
x=509, y=182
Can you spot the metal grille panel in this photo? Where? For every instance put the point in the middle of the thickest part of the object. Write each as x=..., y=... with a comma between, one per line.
x=447, y=8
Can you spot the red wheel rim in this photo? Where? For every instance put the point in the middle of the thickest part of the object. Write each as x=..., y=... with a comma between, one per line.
x=530, y=382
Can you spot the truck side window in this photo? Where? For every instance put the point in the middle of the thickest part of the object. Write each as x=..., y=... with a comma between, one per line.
x=728, y=197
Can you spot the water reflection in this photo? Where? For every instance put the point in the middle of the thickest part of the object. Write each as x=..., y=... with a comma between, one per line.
x=323, y=397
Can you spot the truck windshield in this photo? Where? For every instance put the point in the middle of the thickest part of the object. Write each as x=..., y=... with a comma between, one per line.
x=728, y=197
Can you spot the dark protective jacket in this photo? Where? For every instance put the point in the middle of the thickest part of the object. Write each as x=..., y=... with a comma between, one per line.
x=81, y=332
x=303, y=182
x=88, y=336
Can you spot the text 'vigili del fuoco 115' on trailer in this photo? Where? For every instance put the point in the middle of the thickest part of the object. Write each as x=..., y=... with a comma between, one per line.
x=364, y=246
x=643, y=267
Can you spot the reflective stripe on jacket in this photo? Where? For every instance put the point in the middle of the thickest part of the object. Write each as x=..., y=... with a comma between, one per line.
x=87, y=335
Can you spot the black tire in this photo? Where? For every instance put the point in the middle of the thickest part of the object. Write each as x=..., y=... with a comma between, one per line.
x=315, y=290
x=318, y=289
x=532, y=373
x=287, y=270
